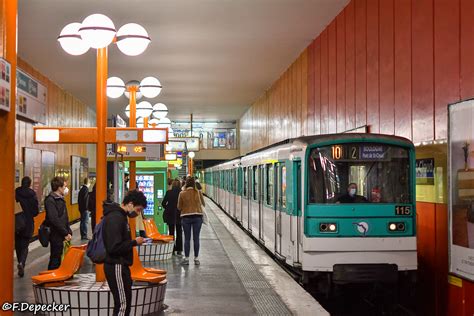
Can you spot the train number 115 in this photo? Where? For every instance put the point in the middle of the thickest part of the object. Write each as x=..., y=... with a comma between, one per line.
x=402, y=210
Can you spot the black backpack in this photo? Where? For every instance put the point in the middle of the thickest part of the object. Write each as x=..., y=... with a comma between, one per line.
x=96, y=248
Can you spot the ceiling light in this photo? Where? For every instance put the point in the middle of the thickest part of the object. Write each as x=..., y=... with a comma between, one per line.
x=115, y=87
x=144, y=109
x=192, y=154
x=140, y=122
x=160, y=110
x=132, y=39
x=150, y=87
x=97, y=30
x=71, y=40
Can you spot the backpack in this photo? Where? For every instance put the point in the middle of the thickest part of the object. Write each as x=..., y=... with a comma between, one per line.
x=95, y=247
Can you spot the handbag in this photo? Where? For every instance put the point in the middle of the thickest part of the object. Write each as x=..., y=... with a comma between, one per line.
x=20, y=223
x=43, y=234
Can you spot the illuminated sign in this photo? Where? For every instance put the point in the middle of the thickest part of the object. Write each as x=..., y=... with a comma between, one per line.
x=175, y=146
x=170, y=156
x=192, y=143
x=359, y=152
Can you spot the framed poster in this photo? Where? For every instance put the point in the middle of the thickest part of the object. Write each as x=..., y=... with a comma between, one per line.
x=5, y=85
x=32, y=169
x=48, y=160
x=425, y=171
x=461, y=188
x=79, y=171
x=31, y=97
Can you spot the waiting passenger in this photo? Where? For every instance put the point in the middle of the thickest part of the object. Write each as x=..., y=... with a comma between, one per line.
x=30, y=207
x=351, y=195
x=190, y=203
x=171, y=215
x=92, y=207
x=119, y=248
x=57, y=219
x=83, y=200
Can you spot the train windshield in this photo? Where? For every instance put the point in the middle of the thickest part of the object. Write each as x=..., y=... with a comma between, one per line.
x=359, y=173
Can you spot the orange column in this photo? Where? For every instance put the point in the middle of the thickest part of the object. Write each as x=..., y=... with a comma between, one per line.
x=7, y=159
x=133, y=164
x=101, y=154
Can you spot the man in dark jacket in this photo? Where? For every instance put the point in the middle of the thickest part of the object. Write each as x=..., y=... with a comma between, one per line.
x=30, y=207
x=119, y=247
x=83, y=200
x=171, y=215
x=58, y=220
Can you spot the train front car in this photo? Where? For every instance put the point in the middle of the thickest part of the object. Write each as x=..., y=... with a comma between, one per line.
x=360, y=209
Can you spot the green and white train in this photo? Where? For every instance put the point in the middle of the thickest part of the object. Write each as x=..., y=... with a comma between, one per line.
x=286, y=196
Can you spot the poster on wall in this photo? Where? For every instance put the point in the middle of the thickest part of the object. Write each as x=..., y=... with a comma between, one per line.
x=48, y=159
x=425, y=171
x=32, y=169
x=461, y=189
x=5, y=85
x=31, y=98
x=79, y=171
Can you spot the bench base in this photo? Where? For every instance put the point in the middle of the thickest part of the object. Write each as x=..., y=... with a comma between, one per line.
x=88, y=297
x=157, y=251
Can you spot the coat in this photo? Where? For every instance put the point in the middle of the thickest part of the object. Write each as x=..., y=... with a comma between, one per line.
x=30, y=207
x=56, y=216
x=190, y=202
x=170, y=204
x=83, y=199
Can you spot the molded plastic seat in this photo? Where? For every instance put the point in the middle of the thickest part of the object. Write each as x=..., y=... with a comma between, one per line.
x=81, y=247
x=141, y=274
x=152, y=231
x=71, y=263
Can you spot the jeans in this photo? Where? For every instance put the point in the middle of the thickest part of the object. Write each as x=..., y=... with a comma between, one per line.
x=83, y=225
x=178, y=240
x=194, y=223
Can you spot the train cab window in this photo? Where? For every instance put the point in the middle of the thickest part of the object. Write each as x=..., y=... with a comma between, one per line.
x=362, y=172
x=269, y=194
x=246, y=182
x=255, y=183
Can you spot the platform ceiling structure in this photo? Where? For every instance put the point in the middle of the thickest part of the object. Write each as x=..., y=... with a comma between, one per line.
x=213, y=57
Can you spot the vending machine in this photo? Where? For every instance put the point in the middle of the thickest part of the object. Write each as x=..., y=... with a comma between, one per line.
x=146, y=184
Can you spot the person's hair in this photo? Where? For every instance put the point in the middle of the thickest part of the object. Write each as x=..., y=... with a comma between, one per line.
x=190, y=182
x=352, y=183
x=86, y=181
x=110, y=195
x=26, y=182
x=137, y=198
x=57, y=183
x=176, y=184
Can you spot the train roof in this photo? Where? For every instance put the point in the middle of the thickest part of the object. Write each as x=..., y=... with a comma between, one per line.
x=309, y=140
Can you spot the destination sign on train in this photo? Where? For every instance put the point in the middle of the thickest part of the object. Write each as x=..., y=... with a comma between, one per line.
x=359, y=152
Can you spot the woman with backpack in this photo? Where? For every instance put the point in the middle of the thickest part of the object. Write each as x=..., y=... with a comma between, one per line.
x=190, y=203
x=25, y=223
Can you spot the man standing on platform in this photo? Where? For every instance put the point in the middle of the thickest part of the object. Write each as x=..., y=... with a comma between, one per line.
x=83, y=200
x=119, y=247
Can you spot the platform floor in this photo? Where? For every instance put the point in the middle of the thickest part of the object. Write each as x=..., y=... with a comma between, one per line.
x=236, y=277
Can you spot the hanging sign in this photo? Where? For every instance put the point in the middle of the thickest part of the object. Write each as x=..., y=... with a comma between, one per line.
x=5, y=85
x=144, y=152
x=31, y=98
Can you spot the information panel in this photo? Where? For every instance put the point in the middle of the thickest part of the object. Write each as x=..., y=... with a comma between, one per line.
x=31, y=98
x=5, y=85
x=461, y=189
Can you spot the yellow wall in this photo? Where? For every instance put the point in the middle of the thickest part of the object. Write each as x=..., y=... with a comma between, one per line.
x=437, y=193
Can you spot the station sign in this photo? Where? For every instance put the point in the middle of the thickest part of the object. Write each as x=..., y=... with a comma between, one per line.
x=192, y=143
x=175, y=145
x=145, y=152
x=31, y=97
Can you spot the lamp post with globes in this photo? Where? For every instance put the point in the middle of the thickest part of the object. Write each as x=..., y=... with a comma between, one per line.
x=98, y=31
x=191, y=156
x=149, y=87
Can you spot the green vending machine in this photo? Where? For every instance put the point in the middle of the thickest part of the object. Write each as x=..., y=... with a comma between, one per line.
x=151, y=180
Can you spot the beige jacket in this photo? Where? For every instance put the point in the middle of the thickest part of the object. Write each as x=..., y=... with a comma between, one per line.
x=190, y=202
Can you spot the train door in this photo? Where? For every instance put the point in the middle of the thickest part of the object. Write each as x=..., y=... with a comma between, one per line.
x=261, y=199
x=296, y=216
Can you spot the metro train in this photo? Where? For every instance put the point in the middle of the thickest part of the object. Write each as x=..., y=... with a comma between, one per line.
x=289, y=197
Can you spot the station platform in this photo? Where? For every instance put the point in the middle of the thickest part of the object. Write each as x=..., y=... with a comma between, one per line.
x=235, y=276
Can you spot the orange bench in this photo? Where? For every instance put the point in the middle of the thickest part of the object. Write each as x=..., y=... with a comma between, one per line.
x=141, y=274
x=152, y=231
x=71, y=264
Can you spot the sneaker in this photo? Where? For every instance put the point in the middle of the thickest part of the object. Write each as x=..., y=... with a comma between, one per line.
x=179, y=253
x=185, y=262
x=21, y=270
x=196, y=261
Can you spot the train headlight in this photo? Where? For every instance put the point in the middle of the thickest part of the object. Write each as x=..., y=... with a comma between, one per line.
x=396, y=227
x=328, y=227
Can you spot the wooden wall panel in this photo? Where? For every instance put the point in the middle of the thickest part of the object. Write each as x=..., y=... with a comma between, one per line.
x=386, y=82
x=332, y=80
x=446, y=58
x=350, y=66
x=311, y=120
x=317, y=87
x=361, y=62
x=467, y=49
x=373, y=108
x=324, y=64
x=341, y=73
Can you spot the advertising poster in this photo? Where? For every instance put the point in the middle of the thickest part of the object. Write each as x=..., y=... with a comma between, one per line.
x=146, y=184
x=5, y=85
x=79, y=171
x=461, y=189
x=425, y=171
x=31, y=98
x=48, y=159
x=32, y=169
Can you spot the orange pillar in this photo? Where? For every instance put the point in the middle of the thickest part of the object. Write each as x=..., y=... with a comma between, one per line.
x=101, y=154
x=133, y=164
x=8, y=26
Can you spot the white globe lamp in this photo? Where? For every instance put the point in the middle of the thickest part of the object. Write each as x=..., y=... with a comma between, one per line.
x=150, y=87
x=160, y=110
x=191, y=154
x=140, y=122
x=115, y=87
x=154, y=122
x=165, y=123
x=97, y=30
x=144, y=109
x=127, y=111
x=132, y=39
x=71, y=40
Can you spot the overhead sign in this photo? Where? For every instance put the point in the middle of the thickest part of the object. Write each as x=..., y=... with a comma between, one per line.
x=192, y=143
x=175, y=146
x=126, y=136
x=31, y=98
x=5, y=85
x=145, y=152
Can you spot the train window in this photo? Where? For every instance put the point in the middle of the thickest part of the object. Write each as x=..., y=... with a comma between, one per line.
x=377, y=172
x=246, y=182
x=269, y=194
x=255, y=183
x=283, y=187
